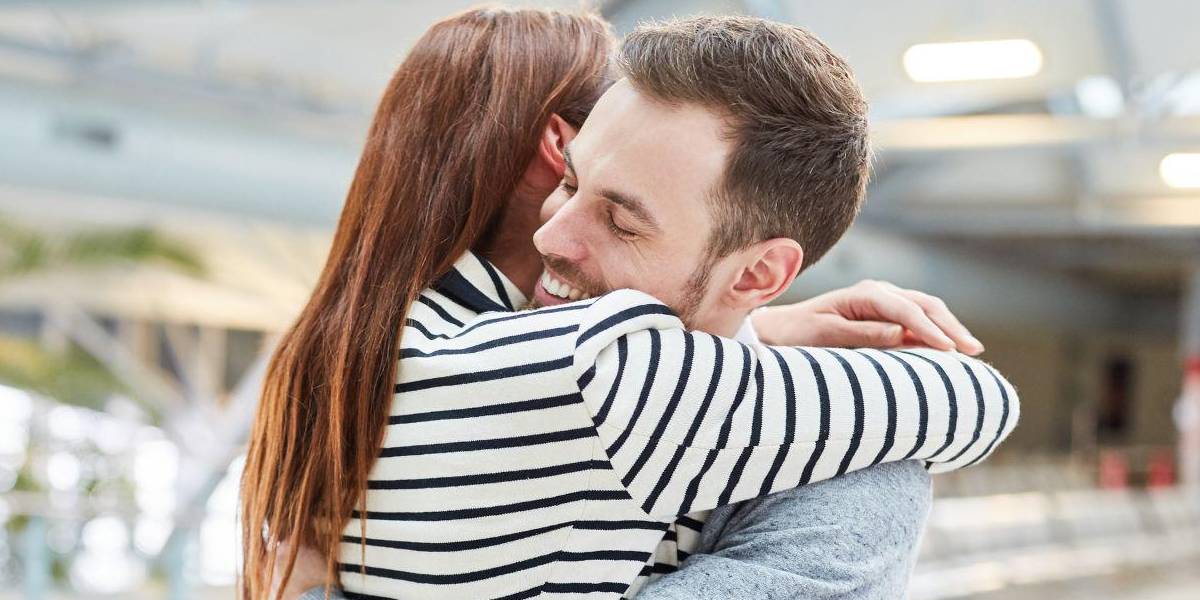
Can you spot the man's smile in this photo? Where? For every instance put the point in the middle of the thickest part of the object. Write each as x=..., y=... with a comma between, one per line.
x=552, y=290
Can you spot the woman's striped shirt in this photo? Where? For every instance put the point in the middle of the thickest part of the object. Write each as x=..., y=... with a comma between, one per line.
x=558, y=452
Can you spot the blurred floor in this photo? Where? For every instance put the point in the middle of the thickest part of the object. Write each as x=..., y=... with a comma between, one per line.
x=1177, y=581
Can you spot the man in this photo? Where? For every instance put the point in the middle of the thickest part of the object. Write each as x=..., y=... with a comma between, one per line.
x=731, y=157
x=649, y=150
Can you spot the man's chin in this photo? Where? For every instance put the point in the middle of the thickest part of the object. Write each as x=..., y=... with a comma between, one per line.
x=536, y=302
x=531, y=304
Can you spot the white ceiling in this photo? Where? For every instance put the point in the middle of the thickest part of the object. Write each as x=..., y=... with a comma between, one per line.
x=337, y=53
x=257, y=108
x=340, y=53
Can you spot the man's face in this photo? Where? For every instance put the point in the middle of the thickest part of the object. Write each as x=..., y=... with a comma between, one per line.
x=632, y=210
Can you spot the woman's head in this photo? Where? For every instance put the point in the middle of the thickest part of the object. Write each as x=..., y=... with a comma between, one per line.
x=465, y=112
x=454, y=135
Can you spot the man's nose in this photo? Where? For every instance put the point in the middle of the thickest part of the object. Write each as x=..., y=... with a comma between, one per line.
x=554, y=202
x=562, y=234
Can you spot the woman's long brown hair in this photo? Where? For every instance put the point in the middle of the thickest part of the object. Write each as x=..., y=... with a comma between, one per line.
x=456, y=128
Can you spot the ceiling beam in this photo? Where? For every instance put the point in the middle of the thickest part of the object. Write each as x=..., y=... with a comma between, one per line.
x=1022, y=132
x=1176, y=217
x=75, y=67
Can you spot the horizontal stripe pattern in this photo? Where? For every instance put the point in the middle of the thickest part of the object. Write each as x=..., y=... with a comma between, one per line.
x=575, y=450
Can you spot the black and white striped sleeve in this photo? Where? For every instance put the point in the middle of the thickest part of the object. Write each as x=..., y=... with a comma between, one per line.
x=692, y=421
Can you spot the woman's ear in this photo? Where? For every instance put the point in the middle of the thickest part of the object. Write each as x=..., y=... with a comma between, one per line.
x=548, y=162
x=769, y=269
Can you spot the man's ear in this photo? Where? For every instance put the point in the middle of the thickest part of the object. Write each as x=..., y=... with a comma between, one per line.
x=548, y=163
x=770, y=267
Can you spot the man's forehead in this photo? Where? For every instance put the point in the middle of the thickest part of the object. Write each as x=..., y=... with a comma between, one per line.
x=665, y=150
x=624, y=110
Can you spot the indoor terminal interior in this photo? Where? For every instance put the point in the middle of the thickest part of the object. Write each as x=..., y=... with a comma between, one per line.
x=171, y=173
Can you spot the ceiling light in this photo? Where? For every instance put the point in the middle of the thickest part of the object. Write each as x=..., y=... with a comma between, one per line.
x=1181, y=170
x=965, y=61
x=1100, y=97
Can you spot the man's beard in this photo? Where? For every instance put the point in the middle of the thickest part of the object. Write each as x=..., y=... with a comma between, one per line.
x=685, y=307
x=693, y=294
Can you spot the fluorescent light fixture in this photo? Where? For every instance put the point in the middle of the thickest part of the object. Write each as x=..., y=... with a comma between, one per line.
x=967, y=61
x=1181, y=169
x=1100, y=97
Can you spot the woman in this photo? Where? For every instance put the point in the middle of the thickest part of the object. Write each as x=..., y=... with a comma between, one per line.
x=450, y=142
x=455, y=160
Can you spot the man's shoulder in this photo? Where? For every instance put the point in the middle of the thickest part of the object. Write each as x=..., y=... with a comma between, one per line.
x=587, y=326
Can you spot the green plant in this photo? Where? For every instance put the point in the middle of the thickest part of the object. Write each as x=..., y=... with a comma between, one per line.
x=72, y=376
x=26, y=251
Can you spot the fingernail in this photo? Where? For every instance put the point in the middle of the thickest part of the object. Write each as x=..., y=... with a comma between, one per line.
x=975, y=341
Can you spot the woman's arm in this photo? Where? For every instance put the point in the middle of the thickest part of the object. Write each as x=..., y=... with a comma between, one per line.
x=692, y=421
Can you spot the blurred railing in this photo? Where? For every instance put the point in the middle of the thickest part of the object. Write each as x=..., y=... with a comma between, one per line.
x=1029, y=522
x=171, y=569
x=1040, y=521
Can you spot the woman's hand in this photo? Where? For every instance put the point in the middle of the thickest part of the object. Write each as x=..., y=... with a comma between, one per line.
x=307, y=573
x=874, y=314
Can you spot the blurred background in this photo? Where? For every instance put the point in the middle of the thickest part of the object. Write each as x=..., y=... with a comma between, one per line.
x=171, y=172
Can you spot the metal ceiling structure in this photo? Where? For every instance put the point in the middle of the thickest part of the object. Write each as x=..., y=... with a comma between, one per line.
x=209, y=104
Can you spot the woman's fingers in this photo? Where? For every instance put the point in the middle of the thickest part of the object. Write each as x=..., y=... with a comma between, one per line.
x=870, y=314
x=899, y=308
x=867, y=334
x=937, y=311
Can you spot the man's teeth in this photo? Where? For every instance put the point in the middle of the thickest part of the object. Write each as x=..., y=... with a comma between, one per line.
x=560, y=289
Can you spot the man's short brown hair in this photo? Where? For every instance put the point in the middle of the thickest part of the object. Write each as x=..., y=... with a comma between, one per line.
x=797, y=121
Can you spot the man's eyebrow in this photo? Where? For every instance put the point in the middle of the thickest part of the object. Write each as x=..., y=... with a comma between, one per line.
x=636, y=207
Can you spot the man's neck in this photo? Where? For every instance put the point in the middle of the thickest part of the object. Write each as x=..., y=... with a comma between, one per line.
x=727, y=324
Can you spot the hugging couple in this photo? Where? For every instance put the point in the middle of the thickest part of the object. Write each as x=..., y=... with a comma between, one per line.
x=537, y=362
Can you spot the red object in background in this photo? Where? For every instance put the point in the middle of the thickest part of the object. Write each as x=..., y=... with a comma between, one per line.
x=1191, y=366
x=1160, y=471
x=1114, y=471
x=1187, y=420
